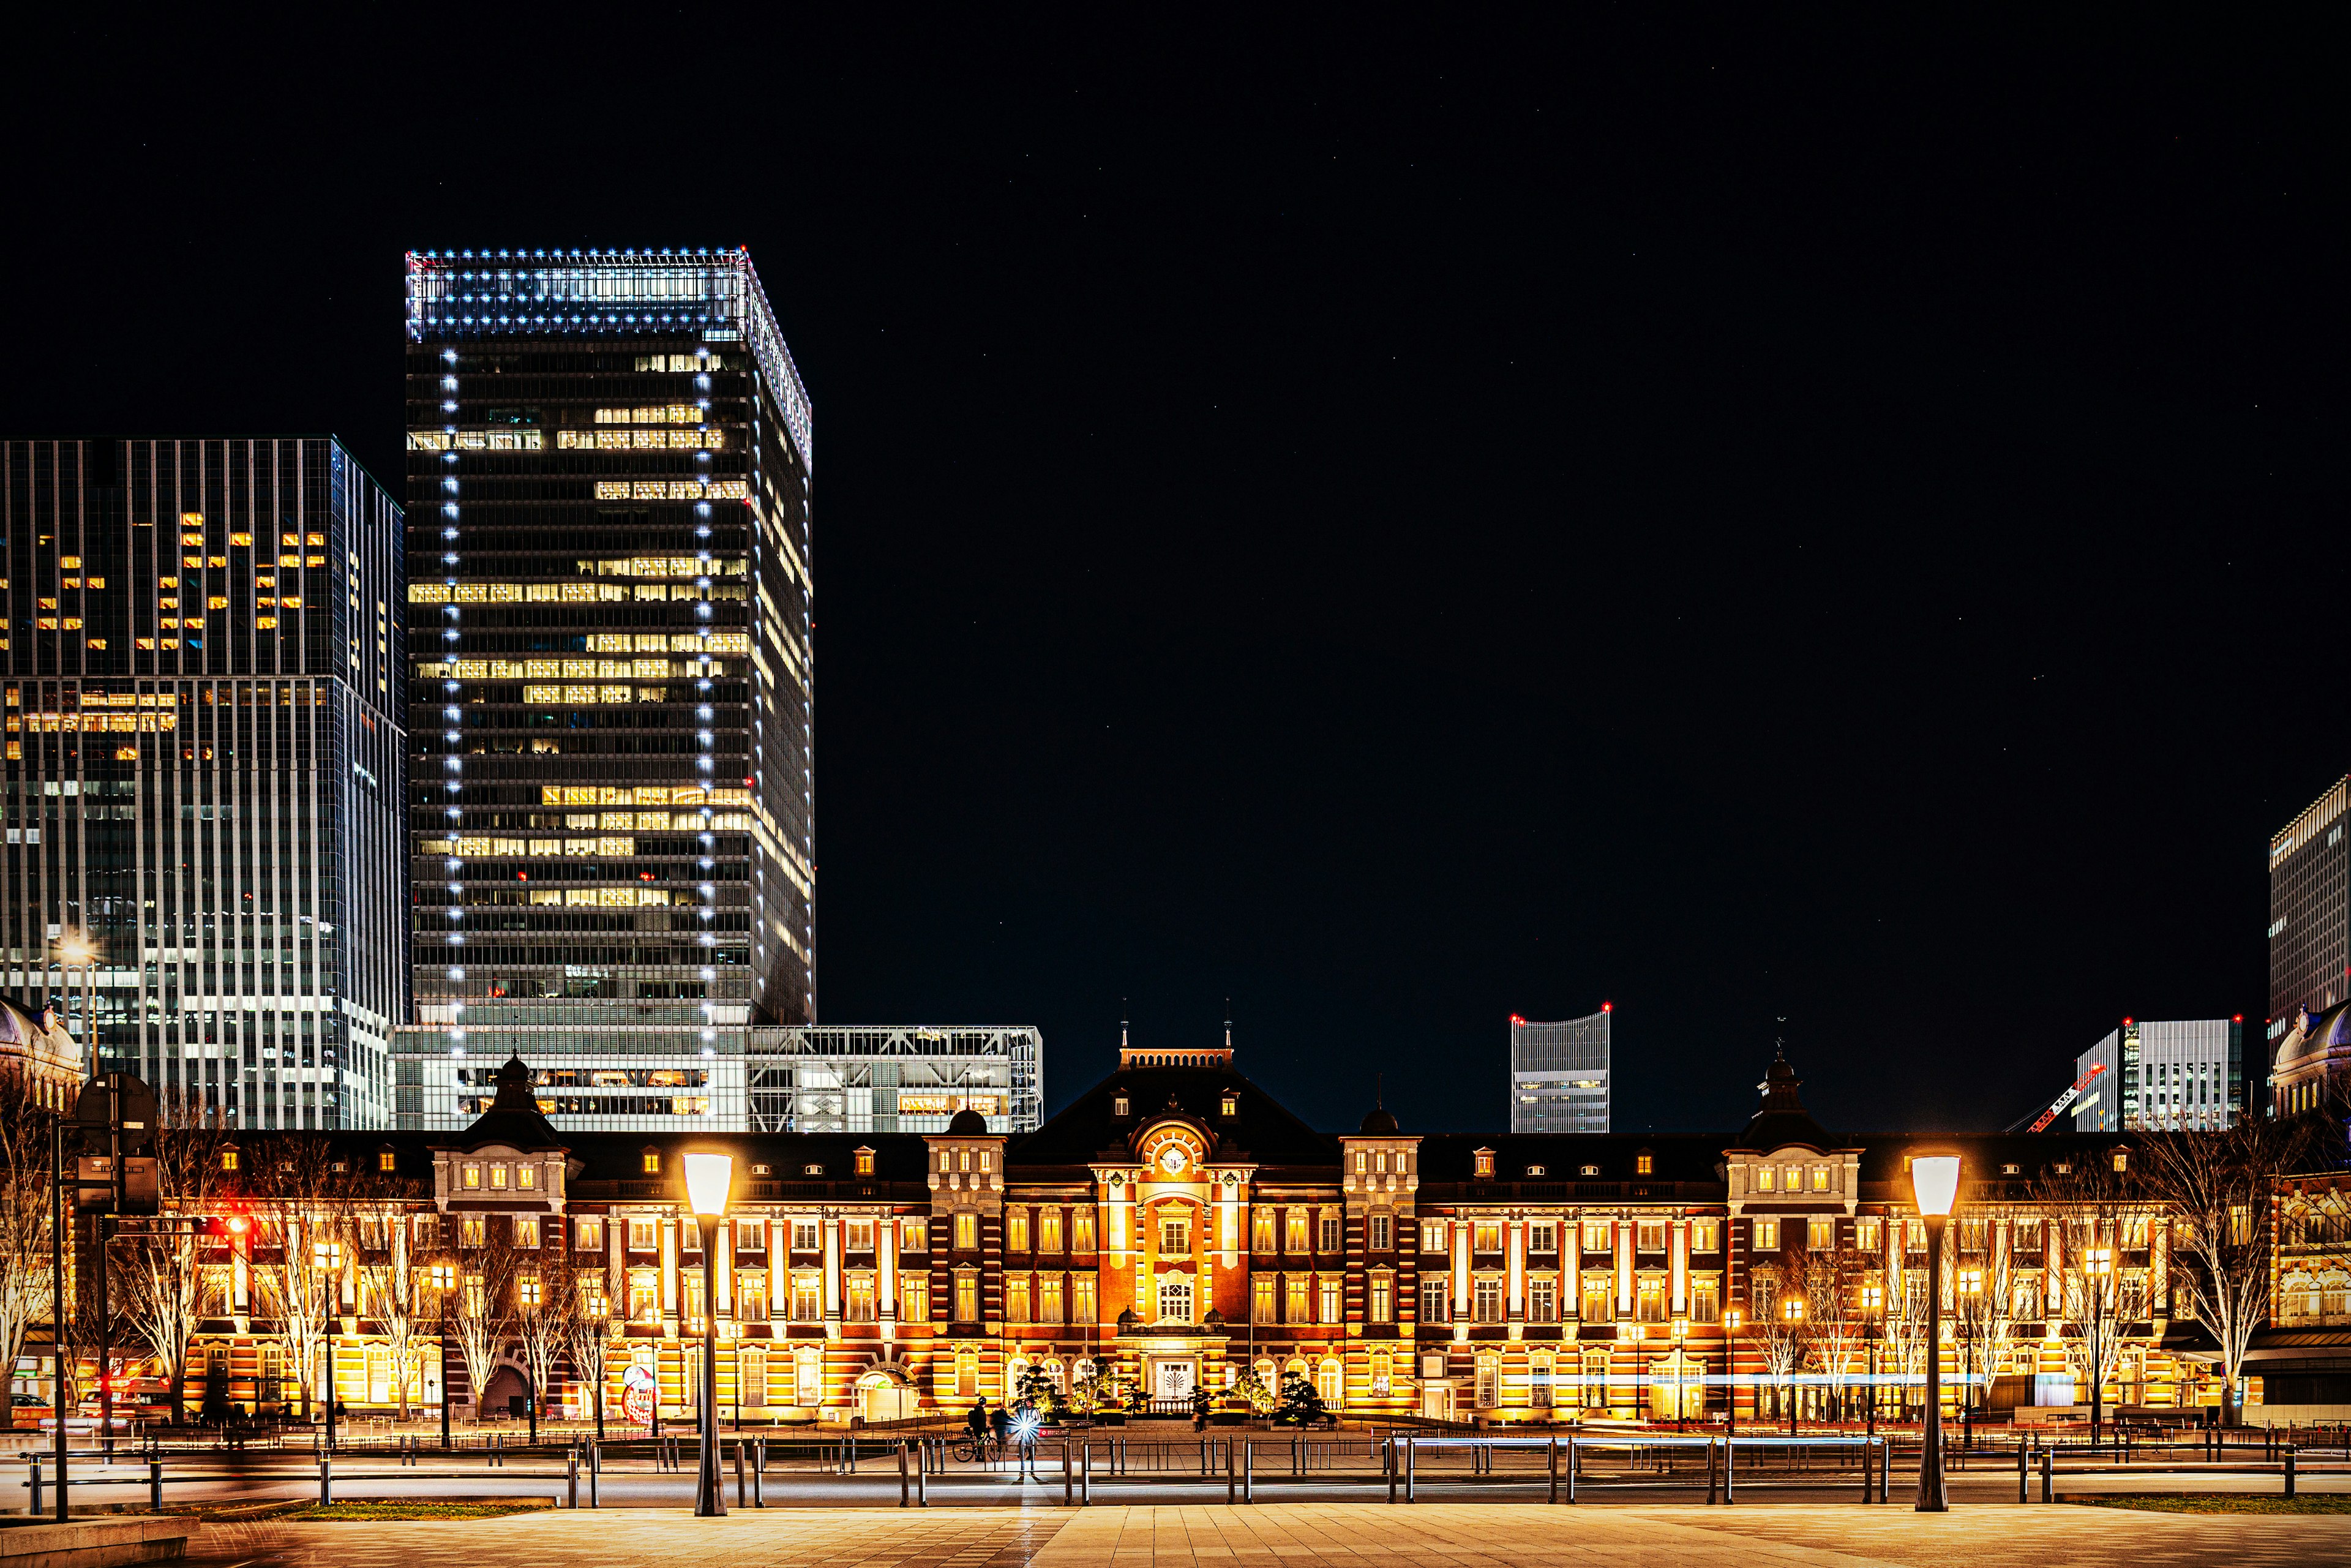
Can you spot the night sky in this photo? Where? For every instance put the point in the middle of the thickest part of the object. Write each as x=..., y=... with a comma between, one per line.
x=1395, y=524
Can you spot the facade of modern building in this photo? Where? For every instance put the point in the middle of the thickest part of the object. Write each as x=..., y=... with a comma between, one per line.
x=205, y=693
x=2169, y=1075
x=2310, y=912
x=1176, y=1227
x=611, y=806
x=767, y=1077
x=1559, y=1074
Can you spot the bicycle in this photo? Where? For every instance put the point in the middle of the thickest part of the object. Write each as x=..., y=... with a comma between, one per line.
x=976, y=1450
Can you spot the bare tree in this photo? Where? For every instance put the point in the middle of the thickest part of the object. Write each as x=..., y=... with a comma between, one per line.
x=1836, y=1328
x=301, y=1203
x=163, y=1276
x=482, y=1306
x=1983, y=1299
x=1780, y=1330
x=24, y=1202
x=546, y=1310
x=590, y=1332
x=2218, y=1187
x=391, y=1284
x=2091, y=1208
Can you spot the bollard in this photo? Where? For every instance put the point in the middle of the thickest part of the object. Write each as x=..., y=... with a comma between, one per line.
x=2048, y=1475
x=1410, y=1446
x=1232, y=1467
x=594, y=1465
x=326, y=1482
x=2289, y=1469
x=1086, y=1475
x=571, y=1478
x=759, y=1474
x=1069, y=1478
x=1864, y=1474
x=154, y=1486
x=1551, y=1463
x=1387, y=1457
x=36, y=1484
x=1712, y=1480
x=922, y=1485
x=2022, y=1470
x=1248, y=1468
x=1729, y=1469
x=906, y=1486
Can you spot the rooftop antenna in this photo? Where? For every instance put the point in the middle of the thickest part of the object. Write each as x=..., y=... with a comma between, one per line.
x=1229, y=1025
x=1122, y=1023
x=1379, y=1091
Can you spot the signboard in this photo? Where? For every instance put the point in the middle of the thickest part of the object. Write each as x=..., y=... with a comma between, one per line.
x=640, y=1391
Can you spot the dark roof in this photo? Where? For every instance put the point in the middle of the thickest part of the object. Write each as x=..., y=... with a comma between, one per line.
x=965, y=1122
x=1379, y=1122
x=512, y=1119
x=2315, y=1034
x=620, y=1156
x=1782, y=1119
x=1673, y=1156
x=1262, y=1130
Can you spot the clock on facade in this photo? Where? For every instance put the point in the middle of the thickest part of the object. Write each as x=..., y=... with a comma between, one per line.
x=1171, y=1159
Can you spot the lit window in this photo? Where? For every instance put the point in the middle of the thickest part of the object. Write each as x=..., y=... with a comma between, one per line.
x=652, y=1163
x=1645, y=1165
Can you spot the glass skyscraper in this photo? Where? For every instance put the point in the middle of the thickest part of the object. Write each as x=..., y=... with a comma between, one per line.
x=610, y=580
x=2310, y=912
x=202, y=865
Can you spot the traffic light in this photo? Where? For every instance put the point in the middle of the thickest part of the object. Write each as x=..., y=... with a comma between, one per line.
x=228, y=1228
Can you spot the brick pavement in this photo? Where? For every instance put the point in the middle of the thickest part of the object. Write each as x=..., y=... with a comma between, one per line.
x=1291, y=1535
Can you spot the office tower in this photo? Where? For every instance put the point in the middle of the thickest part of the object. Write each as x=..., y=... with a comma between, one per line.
x=1559, y=1074
x=612, y=806
x=2164, y=1076
x=2310, y=923
x=202, y=865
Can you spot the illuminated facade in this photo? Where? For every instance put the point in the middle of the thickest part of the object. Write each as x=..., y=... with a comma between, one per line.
x=609, y=580
x=1559, y=1074
x=2182, y=1074
x=204, y=760
x=1175, y=1227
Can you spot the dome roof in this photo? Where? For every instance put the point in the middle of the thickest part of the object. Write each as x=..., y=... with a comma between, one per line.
x=17, y=1026
x=966, y=1123
x=1782, y=1119
x=2315, y=1035
x=25, y=1029
x=1380, y=1121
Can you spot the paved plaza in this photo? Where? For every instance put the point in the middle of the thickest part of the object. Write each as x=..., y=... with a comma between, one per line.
x=1484, y=1535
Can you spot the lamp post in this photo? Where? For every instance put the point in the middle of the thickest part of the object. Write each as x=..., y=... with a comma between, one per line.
x=1872, y=1313
x=600, y=1309
x=1971, y=1290
x=707, y=1178
x=1934, y=1184
x=1791, y=1313
x=1731, y=1321
x=444, y=1278
x=2097, y=1269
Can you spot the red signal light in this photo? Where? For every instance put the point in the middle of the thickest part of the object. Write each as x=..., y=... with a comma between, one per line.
x=1608, y=1007
x=239, y=1224
x=2127, y=1023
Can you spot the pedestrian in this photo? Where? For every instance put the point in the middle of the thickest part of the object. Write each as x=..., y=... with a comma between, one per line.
x=999, y=1422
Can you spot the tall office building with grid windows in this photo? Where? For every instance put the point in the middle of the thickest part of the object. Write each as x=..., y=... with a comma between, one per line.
x=201, y=869
x=1559, y=1074
x=610, y=580
x=2310, y=912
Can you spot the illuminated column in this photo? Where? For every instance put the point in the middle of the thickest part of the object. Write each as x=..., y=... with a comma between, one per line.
x=780, y=1236
x=831, y=1276
x=885, y=1275
x=1680, y=1235
x=1460, y=1271
x=1623, y=1269
x=722, y=1265
x=1517, y=1232
x=669, y=1268
x=1229, y=1220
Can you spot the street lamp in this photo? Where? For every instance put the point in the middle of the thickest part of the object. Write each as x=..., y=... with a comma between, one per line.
x=1970, y=1290
x=1872, y=1313
x=444, y=1280
x=1934, y=1184
x=78, y=949
x=1731, y=1321
x=1791, y=1313
x=2097, y=1268
x=707, y=1178
x=599, y=1310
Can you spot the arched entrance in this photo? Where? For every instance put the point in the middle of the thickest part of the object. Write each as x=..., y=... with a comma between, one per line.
x=504, y=1395
x=885, y=1395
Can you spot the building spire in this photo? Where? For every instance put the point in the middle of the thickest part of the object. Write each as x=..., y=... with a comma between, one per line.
x=1229, y=1026
x=1122, y=1023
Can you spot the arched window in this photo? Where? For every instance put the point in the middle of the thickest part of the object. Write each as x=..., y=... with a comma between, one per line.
x=807, y=1375
x=1489, y=1381
x=967, y=1375
x=751, y=1377
x=1015, y=1370
x=1383, y=1375
x=1539, y=1370
x=1176, y=1299
x=1328, y=1382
